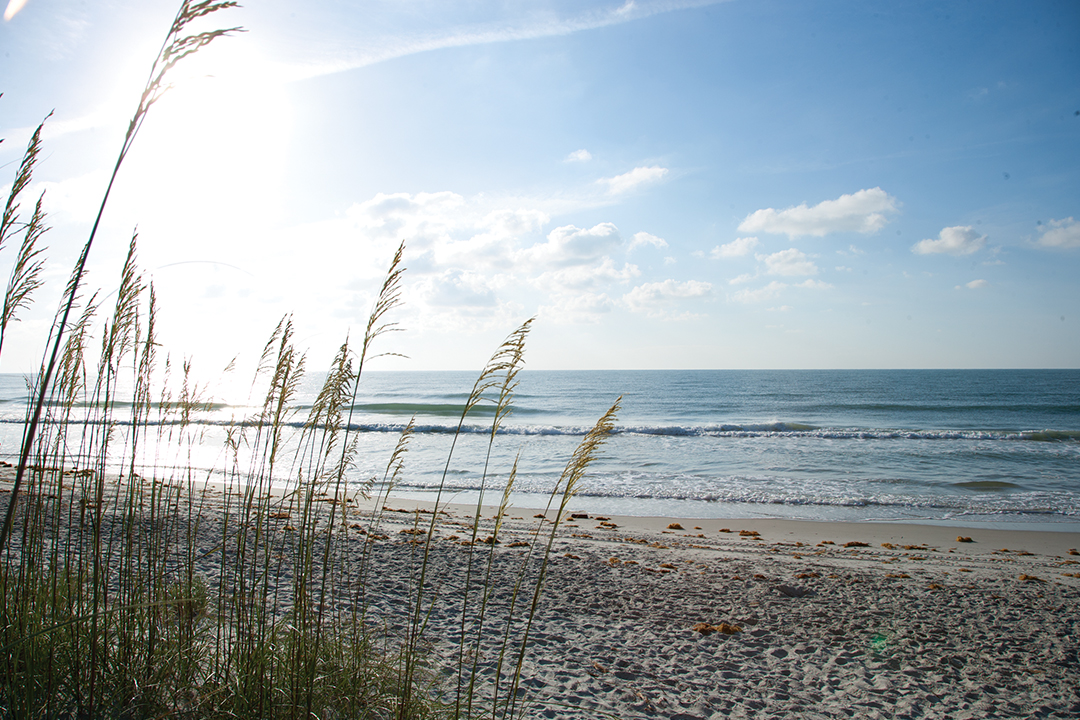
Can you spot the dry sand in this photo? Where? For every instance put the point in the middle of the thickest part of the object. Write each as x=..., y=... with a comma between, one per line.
x=825, y=620
x=689, y=619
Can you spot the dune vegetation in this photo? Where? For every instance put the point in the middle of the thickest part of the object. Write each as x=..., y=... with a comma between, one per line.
x=131, y=586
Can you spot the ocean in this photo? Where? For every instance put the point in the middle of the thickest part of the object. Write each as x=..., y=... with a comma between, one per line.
x=994, y=448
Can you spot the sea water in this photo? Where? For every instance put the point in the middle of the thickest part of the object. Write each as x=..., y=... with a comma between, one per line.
x=961, y=447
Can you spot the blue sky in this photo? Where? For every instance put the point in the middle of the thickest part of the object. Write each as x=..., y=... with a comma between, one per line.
x=663, y=184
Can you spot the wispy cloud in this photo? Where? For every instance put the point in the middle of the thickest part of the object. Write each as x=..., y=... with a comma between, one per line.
x=760, y=294
x=628, y=181
x=863, y=212
x=582, y=155
x=956, y=240
x=774, y=289
x=393, y=29
x=973, y=285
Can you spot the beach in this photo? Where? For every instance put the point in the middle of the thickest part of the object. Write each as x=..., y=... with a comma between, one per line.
x=805, y=619
x=648, y=617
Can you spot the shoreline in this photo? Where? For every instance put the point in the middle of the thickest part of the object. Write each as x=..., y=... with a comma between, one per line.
x=984, y=539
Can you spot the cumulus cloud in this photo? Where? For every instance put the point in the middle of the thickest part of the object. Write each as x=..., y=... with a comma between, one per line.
x=580, y=278
x=644, y=238
x=655, y=298
x=736, y=248
x=474, y=261
x=973, y=285
x=569, y=245
x=456, y=288
x=1060, y=233
x=956, y=240
x=581, y=155
x=788, y=262
x=863, y=212
x=421, y=217
x=628, y=181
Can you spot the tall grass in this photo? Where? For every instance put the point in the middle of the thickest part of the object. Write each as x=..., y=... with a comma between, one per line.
x=133, y=584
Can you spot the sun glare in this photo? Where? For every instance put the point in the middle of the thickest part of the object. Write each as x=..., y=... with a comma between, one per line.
x=13, y=8
x=217, y=140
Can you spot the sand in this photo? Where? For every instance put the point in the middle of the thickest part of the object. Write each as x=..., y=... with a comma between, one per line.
x=826, y=620
x=689, y=619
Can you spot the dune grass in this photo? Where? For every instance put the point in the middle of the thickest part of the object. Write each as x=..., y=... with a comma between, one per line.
x=129, y=589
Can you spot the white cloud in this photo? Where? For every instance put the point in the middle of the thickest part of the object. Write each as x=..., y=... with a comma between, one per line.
x=774, y=288
x=973, y=285
x=422, y=216
x=578, y=308
x=1060, y=233
x=581, y=155
x=744, y=278
x=569, y=245
x=863, y=211
x=736, y=248
x=768, y=292
x=644, y=238
x=580, y=278
x=654, y=298
x=956, y=240
x=349, y=42
x=628, y=181
x=457, y=288
x=788, y=262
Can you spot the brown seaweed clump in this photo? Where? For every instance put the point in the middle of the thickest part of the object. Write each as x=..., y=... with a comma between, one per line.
x=725, y=628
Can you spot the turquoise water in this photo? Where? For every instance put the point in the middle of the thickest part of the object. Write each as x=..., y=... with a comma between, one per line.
x=960, y=447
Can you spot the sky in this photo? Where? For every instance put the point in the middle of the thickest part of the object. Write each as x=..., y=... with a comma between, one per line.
x=660, y=183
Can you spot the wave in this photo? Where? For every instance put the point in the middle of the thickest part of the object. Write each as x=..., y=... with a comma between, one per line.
x=988, y=485
x=1028, y=503
x=763, y=430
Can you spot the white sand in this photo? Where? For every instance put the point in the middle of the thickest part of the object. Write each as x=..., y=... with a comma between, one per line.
x=939, y=629
x=913, y=624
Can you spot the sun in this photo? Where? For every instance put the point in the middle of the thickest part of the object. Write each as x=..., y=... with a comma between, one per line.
x=216, y=143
